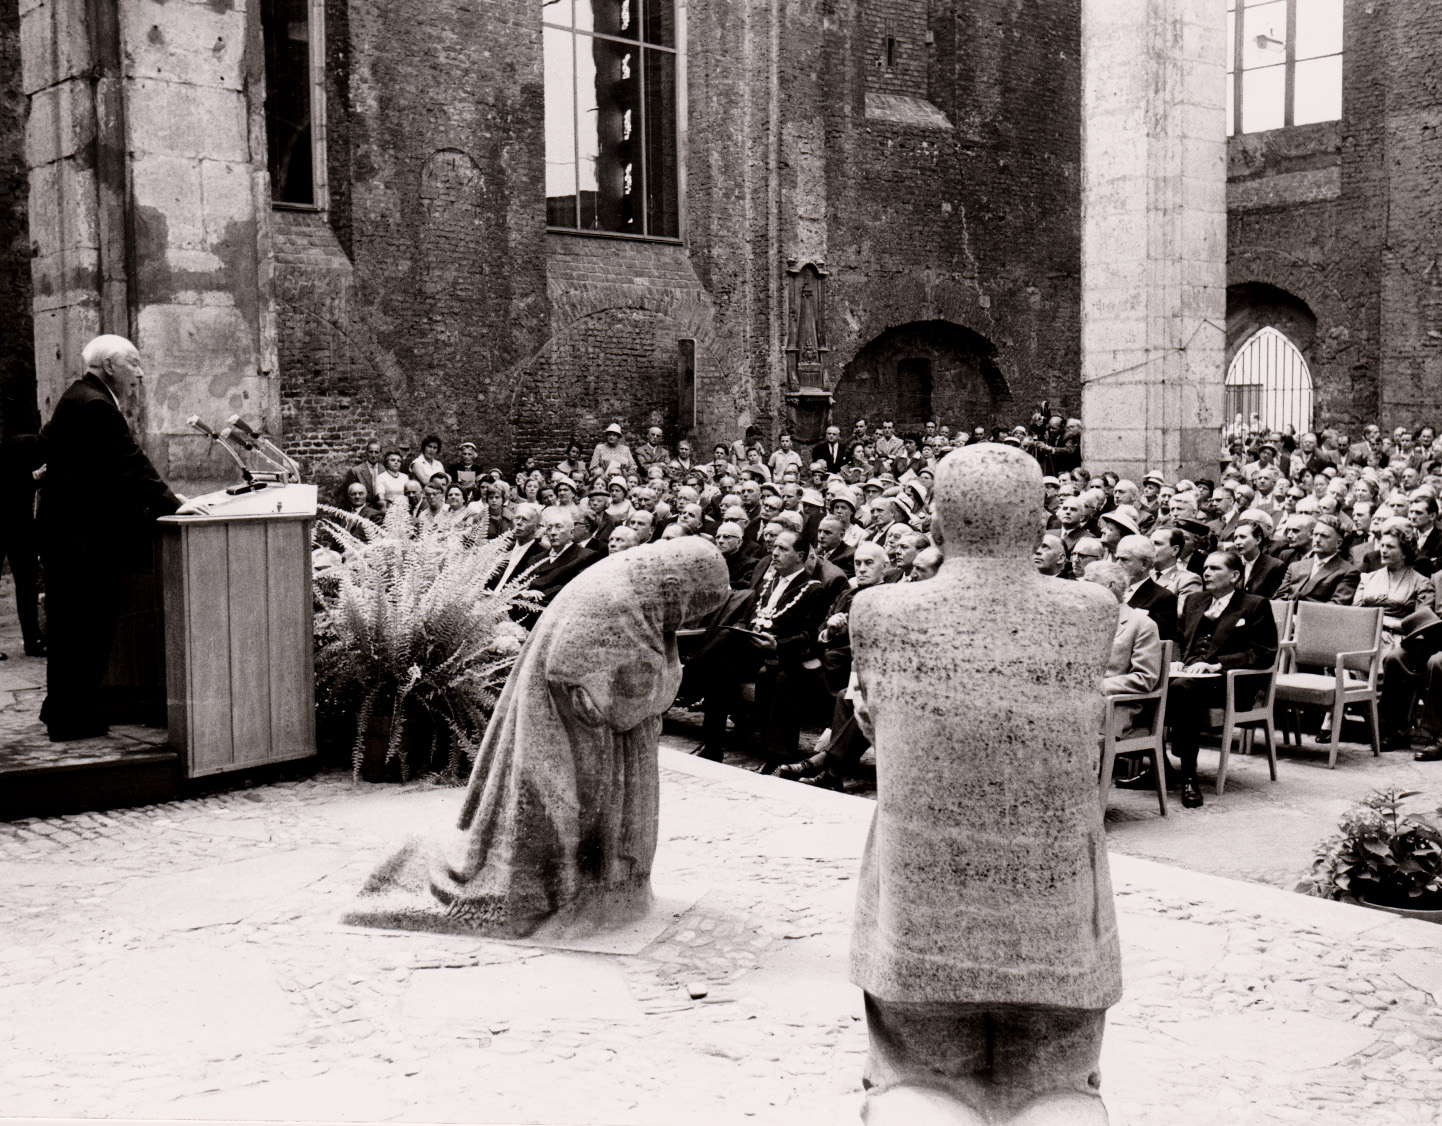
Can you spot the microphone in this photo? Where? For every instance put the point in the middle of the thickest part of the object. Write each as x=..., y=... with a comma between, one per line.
x=244, y=427
x=195, y=424
x=230, y=434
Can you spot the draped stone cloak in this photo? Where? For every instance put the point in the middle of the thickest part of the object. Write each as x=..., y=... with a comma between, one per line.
x=561, y=810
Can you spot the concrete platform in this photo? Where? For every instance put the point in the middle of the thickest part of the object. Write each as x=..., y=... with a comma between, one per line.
x=186, y=961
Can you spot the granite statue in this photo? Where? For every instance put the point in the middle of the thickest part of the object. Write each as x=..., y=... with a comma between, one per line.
x=559, y=818
x=985, y=936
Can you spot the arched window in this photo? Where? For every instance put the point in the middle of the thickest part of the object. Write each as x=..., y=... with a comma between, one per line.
x=1269, y=378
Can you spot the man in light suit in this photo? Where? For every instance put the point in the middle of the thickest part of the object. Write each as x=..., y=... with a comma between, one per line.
x=1323, y=576
x=1169, y=543
x=1222, y=628
x=564, y=560
x=1135, y=664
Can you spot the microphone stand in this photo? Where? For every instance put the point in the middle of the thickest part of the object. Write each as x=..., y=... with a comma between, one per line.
x=194, y=423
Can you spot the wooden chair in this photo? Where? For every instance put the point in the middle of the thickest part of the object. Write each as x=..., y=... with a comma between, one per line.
x=1152, y=743
x=1235, y=720
x=1346, y=640
x=1282, y=615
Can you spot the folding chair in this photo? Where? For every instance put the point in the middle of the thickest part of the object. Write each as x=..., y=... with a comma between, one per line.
x=1347, y=640
x=1152, y=743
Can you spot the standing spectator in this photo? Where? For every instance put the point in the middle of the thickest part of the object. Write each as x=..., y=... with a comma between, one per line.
x=390, y=481
x=428, y=464
x=611, y=455
x=1422, y=512
x=783, y=459
x=20, y=457
x=652, y=451
x=830, y=450
x=365, y=471
x=466, y=471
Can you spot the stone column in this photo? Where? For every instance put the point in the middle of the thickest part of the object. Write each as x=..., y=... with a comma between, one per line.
x=149, y=210
x=1154, y=232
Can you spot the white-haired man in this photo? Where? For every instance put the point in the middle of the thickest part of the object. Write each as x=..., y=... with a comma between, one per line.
x=88, y=544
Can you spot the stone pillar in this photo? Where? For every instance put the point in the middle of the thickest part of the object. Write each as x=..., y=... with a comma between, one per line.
x=1154, y=232
x=149, y=210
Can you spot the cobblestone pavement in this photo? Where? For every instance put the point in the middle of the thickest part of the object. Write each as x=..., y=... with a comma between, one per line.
x=185, y=961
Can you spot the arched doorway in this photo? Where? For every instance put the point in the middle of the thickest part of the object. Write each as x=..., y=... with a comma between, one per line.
x=1269, y=378
x=921, y=371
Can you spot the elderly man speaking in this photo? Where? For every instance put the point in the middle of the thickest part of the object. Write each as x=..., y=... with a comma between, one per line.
x=98, y=504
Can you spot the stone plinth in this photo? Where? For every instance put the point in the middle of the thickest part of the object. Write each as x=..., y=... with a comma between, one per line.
x=1154, y=234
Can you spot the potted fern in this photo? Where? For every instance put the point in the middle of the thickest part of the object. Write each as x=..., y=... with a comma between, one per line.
x=1384, y=858
x=409, y=640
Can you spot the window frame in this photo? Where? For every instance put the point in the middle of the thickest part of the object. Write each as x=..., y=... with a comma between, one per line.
x=1236, y=72
x=678, y=53
x=320, y=181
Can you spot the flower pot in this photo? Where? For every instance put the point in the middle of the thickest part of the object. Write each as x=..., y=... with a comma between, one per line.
x=1432, y=916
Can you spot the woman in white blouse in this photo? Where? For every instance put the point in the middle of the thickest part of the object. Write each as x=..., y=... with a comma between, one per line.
x=429, y=463
x=390, y=481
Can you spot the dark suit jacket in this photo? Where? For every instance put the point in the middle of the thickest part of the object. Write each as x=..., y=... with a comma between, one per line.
x=795, y=628
x=1267, y=576
x=1245, y=636
x=844, y=557
x=101, y=495
x=1160, y=605
x=1429, y=552
x=1335, y=583
x=1365, y=557
x=834, y=460
x=363, y=472
x=533, y=554
x=551, y=576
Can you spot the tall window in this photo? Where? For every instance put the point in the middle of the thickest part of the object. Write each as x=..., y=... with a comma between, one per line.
x=293, y=31
x=611, y=116
x=1286, y=63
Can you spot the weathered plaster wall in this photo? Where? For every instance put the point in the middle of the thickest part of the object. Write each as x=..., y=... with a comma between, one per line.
x=18, y=414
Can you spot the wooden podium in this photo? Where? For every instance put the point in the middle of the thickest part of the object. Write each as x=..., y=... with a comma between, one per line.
x=240, y=678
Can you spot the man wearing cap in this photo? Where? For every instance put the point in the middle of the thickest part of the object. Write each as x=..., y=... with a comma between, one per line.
x=843, y=505
x=613, y=455
x=465, y=470
x=1266, y=459
x=829, y=450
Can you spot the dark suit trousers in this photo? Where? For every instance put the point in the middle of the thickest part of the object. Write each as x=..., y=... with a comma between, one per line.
x=725, y=666
x=1403, y=675
x=848, y=744
x=1188, y=701
x=25, y=566
x=82, y=609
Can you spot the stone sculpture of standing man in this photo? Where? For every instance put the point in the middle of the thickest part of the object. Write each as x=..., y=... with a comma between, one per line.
x=985, y=934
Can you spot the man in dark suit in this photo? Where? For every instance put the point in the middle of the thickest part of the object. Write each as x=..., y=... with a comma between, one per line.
x=1222, y=628
x=830, y=450
x=1264, y=573
x=740, y=556
x=833, y=548
x=526, y=546
x=1422, y=512
x=564, y=558
x=1138, y=555
x=780, y=631
x=89, y=540
x=1323, y=576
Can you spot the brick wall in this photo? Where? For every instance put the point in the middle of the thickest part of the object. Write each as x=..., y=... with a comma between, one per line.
x=18, y=414
x=1345, y=217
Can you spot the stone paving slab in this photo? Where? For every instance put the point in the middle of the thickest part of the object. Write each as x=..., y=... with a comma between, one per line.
x=1244, y=1003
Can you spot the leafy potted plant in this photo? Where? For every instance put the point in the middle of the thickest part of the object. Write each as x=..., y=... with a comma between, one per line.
x=1384, y=858
x=409, y=639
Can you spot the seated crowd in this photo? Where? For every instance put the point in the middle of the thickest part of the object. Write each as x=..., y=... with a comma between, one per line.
x=1195, y=562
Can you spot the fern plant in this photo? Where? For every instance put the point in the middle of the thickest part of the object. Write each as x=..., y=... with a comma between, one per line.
x=405, y=625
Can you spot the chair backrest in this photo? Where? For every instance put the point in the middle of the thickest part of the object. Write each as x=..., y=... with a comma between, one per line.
x=1323, y=630
x=1282, y=615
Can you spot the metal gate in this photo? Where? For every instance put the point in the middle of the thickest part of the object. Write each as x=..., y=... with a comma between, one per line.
x=1269, y=378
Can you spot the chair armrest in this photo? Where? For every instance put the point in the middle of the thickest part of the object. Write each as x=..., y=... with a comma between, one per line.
x=1341, y=666
x=1134, y=697
x=1286, y=656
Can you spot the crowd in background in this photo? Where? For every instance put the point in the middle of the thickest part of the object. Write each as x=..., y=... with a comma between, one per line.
x=1320, y=517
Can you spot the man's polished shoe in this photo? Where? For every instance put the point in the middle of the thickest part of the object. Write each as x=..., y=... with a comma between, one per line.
x=1397, y=741
x=806, y=768
x=1191, y=794
x=709, y=753
x=825, y=781
x=1432, y=753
